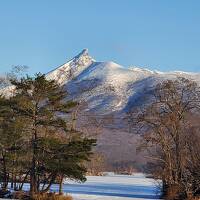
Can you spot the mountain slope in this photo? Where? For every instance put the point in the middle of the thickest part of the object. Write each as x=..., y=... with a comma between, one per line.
x=110, y=90
x=108, y=87
x=67, y=71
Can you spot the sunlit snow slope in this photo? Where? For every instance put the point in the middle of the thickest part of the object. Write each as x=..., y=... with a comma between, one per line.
x=107, y=86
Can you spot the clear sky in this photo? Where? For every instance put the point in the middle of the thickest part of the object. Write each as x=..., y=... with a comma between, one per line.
x=158, y=34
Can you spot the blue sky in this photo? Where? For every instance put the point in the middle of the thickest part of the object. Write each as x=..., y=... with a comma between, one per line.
x=158, y=34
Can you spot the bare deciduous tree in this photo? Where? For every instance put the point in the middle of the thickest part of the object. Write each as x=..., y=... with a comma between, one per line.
x=165, y=126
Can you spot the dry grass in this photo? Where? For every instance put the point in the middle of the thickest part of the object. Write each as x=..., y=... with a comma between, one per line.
x=45, y=196
x=20, y=195
x=195, y=198
x=52, y=196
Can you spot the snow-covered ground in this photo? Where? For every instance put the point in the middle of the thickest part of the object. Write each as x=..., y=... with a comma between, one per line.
x=113, y=187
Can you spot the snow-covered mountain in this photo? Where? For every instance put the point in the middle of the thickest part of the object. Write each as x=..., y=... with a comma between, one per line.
x=109, y=90
x=107, y=86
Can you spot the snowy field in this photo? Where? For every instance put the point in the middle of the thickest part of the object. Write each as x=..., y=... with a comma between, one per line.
x=116, y=187
x=112, y=187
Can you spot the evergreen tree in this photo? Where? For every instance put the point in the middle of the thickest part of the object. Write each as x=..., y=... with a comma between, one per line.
x=53, y=150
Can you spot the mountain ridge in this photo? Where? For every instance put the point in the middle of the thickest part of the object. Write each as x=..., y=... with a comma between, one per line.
x=107, y=86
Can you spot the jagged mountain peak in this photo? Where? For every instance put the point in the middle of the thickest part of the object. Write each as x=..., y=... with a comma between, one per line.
x=84, y=52
x=72, y=68
x=82, y=58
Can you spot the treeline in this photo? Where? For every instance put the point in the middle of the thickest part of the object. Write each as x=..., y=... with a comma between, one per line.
x=123, y=167
x=170, y=131
x=38, y=143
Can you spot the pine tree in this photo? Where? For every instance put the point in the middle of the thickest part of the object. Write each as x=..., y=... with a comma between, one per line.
x=53, y=152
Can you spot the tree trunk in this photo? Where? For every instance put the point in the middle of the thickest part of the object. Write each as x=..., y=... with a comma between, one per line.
x=12, y=181
x=61, y=185
x=50, y=183
x=5, y=175
x=23, y=181
x=33, y=176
